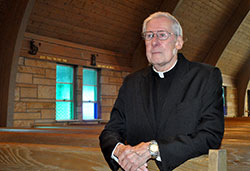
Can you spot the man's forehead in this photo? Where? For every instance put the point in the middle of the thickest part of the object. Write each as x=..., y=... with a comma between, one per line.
x=159, y=23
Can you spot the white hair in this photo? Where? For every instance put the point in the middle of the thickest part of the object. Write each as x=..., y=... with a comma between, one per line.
x=176, y=25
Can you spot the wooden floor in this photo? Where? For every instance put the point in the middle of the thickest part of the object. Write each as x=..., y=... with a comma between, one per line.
x=237, y=142
x=236, y=139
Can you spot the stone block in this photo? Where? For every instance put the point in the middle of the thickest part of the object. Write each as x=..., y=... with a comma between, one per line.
x=117, y=74
x=79, y=98
x=108, y=89
x=106, y=109
x=23, y=123
x=17, y=93
x=20, y=107
x=26, y=85
x=79, y=84
x=50, y=73
x=40, y=63
x=105, y=116
x=104, y=80
x=48, y=114
x=28, y=92
x=24, y=78
x=47, y=92
x=31, y=70
x=26, y=116
x=21, y=61
x=34, y=110
x=107, y=72
x=116, y=80
x=41, y=105
x=107, y=102
x=79, y=71
x=42, y=81
x=38, y=76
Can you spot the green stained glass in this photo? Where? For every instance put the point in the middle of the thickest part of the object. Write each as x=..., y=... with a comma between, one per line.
x=89, y=77
x=64, y=74
x=89, y=93
x=64, y=91
x=64, y=111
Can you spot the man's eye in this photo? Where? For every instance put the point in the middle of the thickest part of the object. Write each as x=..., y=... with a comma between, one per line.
x=150, y=35
x=162, y=34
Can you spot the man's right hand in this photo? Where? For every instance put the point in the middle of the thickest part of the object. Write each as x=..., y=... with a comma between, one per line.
x=131, y=158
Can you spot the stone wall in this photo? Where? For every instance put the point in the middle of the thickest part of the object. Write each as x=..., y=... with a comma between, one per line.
x=232, y=101
x=35, y=94
x=111, y=82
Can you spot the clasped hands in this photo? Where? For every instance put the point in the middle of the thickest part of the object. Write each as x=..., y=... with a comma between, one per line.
x=133, y=158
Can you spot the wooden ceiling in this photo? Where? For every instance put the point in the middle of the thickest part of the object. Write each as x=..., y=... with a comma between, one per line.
x=214, y=30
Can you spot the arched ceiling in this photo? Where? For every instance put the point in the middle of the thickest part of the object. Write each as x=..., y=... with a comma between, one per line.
x=116, y=25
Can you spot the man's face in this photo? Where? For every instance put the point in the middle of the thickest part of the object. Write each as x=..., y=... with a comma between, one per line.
x=162, y=53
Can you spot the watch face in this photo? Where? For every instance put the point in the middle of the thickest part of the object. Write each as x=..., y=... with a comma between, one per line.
x=154, y=148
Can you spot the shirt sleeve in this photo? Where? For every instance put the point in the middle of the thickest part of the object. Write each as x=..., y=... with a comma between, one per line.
x=112, y=154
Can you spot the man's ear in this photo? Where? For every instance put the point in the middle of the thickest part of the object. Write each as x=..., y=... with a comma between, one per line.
x=179, y=43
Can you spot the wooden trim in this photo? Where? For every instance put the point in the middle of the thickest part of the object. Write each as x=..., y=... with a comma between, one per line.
x=71, y=53
x=70, y=44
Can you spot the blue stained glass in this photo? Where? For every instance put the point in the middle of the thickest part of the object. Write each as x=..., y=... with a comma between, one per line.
x=89, y=110
x=64, y=110
x=64, y=91
x=64, y=74
x=89, y=77
x=89, y=93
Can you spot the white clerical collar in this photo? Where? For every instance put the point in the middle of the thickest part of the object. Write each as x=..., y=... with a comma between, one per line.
x=161, y=74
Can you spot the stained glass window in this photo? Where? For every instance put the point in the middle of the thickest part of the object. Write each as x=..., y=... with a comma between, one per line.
x=64, y=92
x=89, y=94
x=224, y=100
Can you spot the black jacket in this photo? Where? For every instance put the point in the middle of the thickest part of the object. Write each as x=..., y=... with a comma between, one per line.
x=192, y=119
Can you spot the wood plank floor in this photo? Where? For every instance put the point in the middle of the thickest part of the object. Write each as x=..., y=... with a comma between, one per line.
x=237, y=142
x=236, y=138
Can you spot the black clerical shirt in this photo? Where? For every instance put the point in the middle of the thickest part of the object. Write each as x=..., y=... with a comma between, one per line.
x=160, y=89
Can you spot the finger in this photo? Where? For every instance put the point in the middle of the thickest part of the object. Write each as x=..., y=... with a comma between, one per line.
x=124, y=152
x=128, y=160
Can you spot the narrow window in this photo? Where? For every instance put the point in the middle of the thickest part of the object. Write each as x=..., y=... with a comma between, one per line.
x=64, y=92
x=89, y=94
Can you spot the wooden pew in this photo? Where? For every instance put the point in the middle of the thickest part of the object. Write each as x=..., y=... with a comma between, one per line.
x=73, y=137
x=71, y=149
x=21, y=156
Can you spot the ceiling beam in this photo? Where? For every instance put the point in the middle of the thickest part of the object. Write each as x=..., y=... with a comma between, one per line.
x=15, y=16
x=227, y=32
x=139, y=59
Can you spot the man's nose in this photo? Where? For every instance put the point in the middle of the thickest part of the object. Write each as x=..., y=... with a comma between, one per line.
x=155, y=41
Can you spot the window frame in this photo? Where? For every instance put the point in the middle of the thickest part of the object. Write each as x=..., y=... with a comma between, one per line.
x=74, y=101
x=97, y=115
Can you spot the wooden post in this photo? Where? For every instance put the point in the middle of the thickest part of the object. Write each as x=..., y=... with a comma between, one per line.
x=217, y=160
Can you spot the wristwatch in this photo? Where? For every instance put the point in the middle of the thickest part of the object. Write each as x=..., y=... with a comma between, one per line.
x=153, y=149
